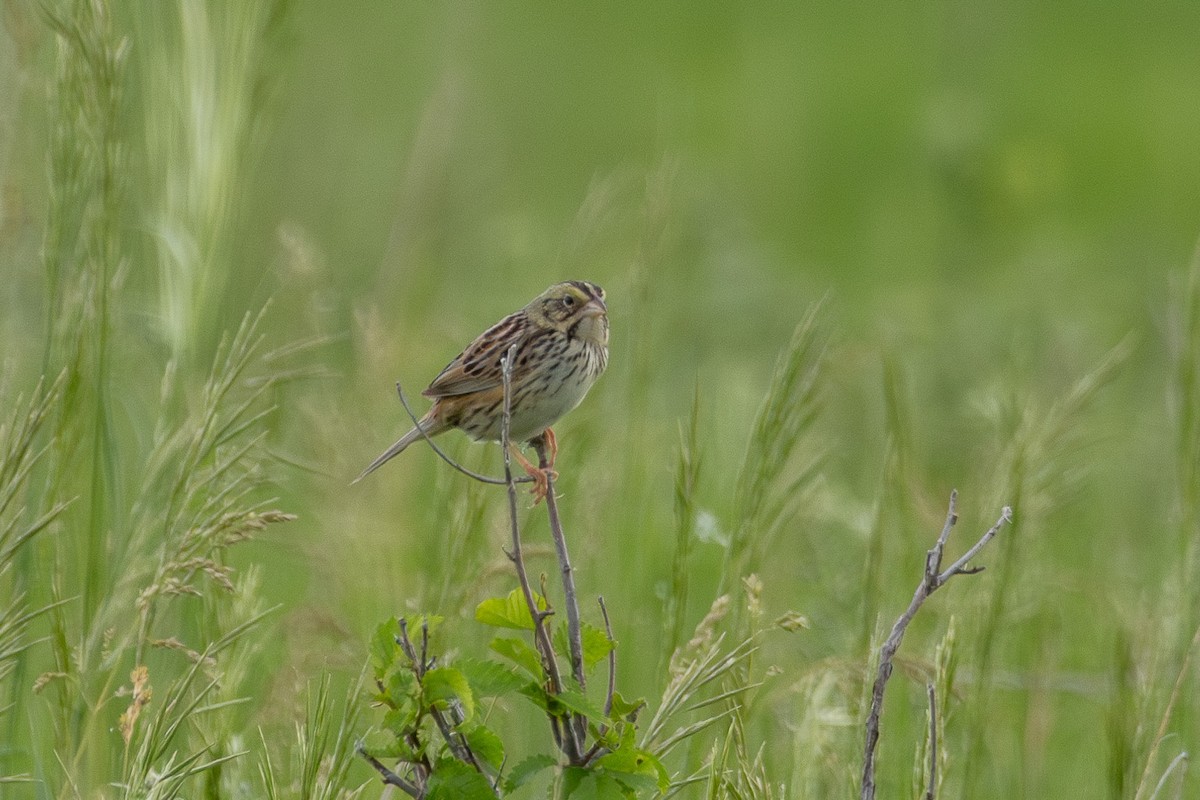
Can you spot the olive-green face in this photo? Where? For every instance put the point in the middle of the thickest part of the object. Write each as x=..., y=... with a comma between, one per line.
x=564, y=303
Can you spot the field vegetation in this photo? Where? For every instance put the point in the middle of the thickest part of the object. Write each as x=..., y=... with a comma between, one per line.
x=856, y=260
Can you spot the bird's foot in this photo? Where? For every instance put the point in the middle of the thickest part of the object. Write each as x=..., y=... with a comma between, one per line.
x=542, y=476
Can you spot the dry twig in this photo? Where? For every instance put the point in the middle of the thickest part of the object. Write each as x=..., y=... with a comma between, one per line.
x=442, y=453
x=933, y=579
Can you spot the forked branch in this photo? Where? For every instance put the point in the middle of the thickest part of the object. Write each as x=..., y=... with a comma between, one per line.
x=933, y=579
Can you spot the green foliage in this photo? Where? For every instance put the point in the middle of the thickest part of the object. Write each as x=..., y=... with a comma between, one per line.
x=395, y=179
x=509, y=611
x=431, y=726
x=596, y=644
x=520, y=653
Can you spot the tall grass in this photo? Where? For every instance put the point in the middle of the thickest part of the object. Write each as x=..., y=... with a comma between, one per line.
x=205, y=87
x=164, y=634
x=126, y=615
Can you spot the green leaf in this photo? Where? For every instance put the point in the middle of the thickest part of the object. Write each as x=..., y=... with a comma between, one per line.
x=539, y=697
x=445, y=684
x=401, y=685
x=434, y=621
x=622, y=708
x=485, y=744
x=489, y=678
x=401, y=721
x=531, y=766
x=577, y=701
x=383, y=647
x=509, y=612
x=596, y=644
x=383, y=744
x=520, y=653
x=454, y=780
x=583, y=784
x=636, y=768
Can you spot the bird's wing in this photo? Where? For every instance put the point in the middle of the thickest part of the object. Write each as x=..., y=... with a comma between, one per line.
x=477, y=368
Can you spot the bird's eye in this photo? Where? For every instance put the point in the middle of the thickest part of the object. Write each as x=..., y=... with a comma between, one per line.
x=568, y=301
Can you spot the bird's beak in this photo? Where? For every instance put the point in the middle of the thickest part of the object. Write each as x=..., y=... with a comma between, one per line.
x=595, y=308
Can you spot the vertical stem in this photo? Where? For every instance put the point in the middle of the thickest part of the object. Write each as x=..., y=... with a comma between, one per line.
x=571, y=747
x=574, y=633
x=574, y=630
x=931, y=791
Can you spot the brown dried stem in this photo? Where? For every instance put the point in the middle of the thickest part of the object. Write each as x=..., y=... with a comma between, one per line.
x=574, y=630
x=422, y=664
x=390, y=778
x=569, y=744
x=442, y=453
x=933, y=579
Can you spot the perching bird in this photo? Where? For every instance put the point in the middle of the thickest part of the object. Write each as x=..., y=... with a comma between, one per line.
x=562, y=348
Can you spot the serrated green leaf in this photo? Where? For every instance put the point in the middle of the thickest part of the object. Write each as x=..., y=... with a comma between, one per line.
x=401, y=721
x=531, y=766
x=622, y=708
x=401, y=685
x=383, y=744
x=454, y=780
x=593, y=785
x=443, y=685
x=520, y=653
x=510, y=611
x=637, y=768
x=576, y=701
x=539, y=697
x=485, y=744
x=383, y=647
x=490, y=678
x=570, y=778
x=596, y=645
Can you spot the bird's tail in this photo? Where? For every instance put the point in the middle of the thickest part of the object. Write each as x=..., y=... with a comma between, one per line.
x=430, y=427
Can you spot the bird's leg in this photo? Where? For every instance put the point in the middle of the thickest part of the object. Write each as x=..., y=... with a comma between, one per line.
x=552, y=446
x=541, y=482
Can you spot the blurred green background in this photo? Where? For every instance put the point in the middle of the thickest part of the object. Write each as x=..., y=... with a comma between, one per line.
x=988, y=197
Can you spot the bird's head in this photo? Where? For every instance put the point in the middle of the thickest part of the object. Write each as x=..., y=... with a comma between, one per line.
x=574, y=307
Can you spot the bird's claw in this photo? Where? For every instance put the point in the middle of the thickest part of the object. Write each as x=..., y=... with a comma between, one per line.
x=541, y=482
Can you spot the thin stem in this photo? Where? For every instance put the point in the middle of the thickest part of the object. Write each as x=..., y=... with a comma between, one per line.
x=931, y=790
x=442, y=453
x=574, y=629
x=612, y=659
x=540, y=634
x=564, y=561
x=1161, y=733
x=390, y=778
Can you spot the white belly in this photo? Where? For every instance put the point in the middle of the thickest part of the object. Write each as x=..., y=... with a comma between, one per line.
x=528, y=423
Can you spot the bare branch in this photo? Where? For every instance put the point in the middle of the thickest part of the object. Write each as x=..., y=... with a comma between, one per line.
x=960, y=567
x=390, y=778
x=442, y=453
x=574, y=630
x=541, y=636
x=932, y=580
